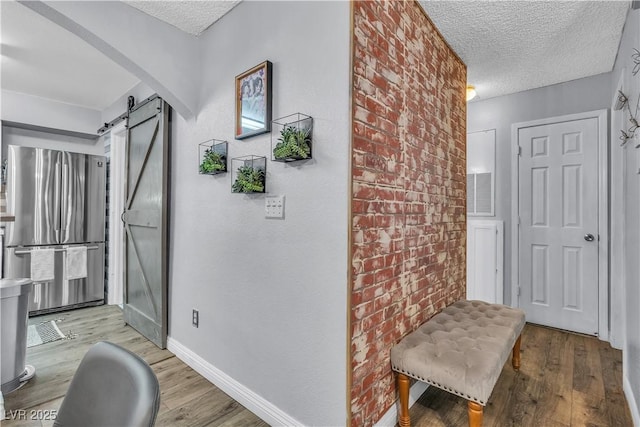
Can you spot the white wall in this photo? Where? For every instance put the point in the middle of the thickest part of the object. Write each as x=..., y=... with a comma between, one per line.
x=140, y=92
x=31, y=138
x=625, y=214
x=588, y=94
x=33, y=110
x=272, y=294
x=160, y=55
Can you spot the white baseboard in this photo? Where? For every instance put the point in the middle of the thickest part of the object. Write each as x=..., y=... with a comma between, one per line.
x=631, y=399
x=264, y=409
x=390, y=418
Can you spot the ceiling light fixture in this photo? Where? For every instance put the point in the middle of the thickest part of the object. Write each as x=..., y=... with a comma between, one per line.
x=471, y=92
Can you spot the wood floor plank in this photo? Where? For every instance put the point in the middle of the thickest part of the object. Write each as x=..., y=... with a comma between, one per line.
x=46, y=412
x=564, y=380
x=522, y=404
x=165, y=369
x=19, y=420
x=214, y=407
x=498, y=408
x=616, y=405
x=589, y=406
x=240, y=419
x=559, y=371
x=183, y=385
x=49, y=383
x=438, y=408
x=552, y=397
x=187, y=398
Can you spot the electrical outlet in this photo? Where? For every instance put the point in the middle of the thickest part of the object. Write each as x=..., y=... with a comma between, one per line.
x=274, y=207
x=195, y=318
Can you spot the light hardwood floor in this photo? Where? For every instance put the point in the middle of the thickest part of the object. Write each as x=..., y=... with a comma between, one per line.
x=564, y=380
x=187, y=399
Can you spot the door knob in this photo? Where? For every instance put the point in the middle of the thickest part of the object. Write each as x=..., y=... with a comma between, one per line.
x=589, y=237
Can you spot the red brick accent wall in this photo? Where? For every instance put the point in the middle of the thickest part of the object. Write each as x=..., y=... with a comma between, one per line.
x=409, y=197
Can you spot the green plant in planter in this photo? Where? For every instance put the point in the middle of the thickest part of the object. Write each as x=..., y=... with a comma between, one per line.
x=213, y=161
x=294, y=143
x=248, y=180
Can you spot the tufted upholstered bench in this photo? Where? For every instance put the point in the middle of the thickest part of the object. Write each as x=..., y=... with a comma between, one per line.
x=461, y=350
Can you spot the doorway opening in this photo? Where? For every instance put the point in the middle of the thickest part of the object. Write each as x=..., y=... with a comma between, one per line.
x=115, y=231
x=560, y=215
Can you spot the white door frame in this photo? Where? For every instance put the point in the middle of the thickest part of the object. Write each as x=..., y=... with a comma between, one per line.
x=603, y=215
x=116, y=207
x=617, y=227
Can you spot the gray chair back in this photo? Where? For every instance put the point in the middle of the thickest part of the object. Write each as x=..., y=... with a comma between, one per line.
x=112, y=387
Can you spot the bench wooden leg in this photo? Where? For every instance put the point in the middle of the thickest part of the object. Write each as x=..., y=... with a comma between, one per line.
x=403, y=388
x=515, y=360
x=474, y=411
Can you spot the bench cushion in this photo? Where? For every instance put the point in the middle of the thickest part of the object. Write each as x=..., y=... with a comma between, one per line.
x=462, y=349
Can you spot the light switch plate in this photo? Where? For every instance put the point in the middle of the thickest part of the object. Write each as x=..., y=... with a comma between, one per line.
x=274, y=207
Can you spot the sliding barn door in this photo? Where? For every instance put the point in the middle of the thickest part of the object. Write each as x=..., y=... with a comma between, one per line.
x=145, y=220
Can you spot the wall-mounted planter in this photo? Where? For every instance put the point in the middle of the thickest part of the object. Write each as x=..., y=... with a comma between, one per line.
x=249, y=174
x=293, y=136
x=212, y=156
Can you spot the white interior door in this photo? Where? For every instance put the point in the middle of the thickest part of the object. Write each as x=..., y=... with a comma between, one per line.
x=558, y=232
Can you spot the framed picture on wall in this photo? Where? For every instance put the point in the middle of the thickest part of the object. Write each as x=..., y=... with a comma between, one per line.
x=253, y=101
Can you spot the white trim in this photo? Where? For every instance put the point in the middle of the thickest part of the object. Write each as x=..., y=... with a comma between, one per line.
x=603, y=224
x=390, y=418
x=515, y=223
x=257, y=404
x=603, y=206
x=475, y=259
x=633, y=407
x=116, y=207
x=617, y=221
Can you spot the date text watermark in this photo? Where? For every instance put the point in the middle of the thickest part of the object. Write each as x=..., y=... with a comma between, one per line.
x=31, y=414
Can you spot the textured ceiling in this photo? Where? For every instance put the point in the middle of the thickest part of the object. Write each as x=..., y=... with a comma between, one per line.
x=508, y=46
x=511, y=46
x=192, y=17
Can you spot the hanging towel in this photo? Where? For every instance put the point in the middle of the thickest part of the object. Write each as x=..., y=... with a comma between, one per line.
x=42, y=265
x=76, y=262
